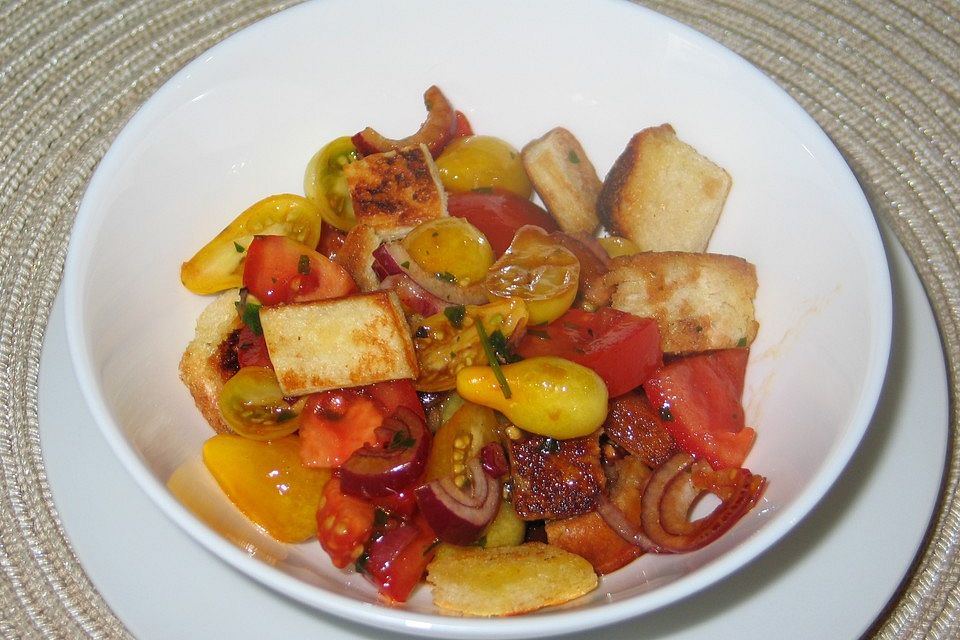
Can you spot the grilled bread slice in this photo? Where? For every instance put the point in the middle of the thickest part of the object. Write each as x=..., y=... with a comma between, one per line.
x=565, y=180
x=200, y=367
x=339, y=342
x=701, y=301
x=662, y=194
x=395, y=191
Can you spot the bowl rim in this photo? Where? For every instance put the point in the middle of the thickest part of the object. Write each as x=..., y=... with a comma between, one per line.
x=536, y=624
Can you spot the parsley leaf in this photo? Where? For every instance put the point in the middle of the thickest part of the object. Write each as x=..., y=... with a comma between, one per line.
x=401, y=440
x=455, y=315
x=303, y=265
x=501, y=347
x=239, y=247
x=573, y=158
x=446, y=276
x=250, y=316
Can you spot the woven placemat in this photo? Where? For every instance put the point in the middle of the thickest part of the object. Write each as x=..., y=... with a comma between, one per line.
x=882, y=78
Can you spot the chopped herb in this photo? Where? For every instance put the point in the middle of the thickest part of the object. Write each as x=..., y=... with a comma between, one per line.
x=405, y=264
x=361, y=564
x=483, y=190
x=501, y=347
x=380, y=518
x=481, y=541
x=303, y=265
x=250, y=316
x=239, y=247
x=421, y=332
x=492, y=360
x=446, y=276
x=285, y=415
x=665, y=412
x=456, y=315
x=401, y=440
x=435, y=234
x=539, y=333
x=742, y=342
x=572, y=157
x=550, y=445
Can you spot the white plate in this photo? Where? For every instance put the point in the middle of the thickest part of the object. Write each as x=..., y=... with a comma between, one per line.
x=829, y=579
x=240, y=122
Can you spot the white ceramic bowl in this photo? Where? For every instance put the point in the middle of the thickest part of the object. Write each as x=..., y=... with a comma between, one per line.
x=241, y=123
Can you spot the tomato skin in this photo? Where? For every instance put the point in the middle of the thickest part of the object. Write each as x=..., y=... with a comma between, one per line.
x=279, y=270
x=699, y=397
x=622, y=348
x=252, y=349
x=498, y=214
x=397, y=558
x=325, y=185
x=396, y=393
x=344, y=524
x=334, y=424
x=331, y=239
x=462, y=128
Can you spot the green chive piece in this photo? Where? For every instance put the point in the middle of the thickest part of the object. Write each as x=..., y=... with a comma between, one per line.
x=492, y=360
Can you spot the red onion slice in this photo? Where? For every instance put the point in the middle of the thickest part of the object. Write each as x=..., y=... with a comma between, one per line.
x=395, y=463
x=412, y=296
x=449, y=292
x=458, y=515
x=618, y=521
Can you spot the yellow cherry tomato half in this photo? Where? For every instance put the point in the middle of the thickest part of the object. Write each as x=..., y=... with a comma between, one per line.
x=254, y=407
x=539, y=270
x=452, y=248
x=549, y=396
x=617, y=246
x=447, y=342
x=326, y=186
x=266, y=481
x=482, y=162
x=459, y=439
x=219, y=264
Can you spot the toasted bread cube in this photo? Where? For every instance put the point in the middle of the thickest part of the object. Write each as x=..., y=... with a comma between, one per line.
x=395, y=191
x=200, y=369
x=589, y=536
x=356, y=256
x=701, y=301
x=341, y=342
x=555, y=478
x=662, y=194
x=565, y=179
x=507, y=581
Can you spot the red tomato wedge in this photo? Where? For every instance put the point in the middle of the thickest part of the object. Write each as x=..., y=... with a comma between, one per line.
x=397, y=558
x=396, y=393
x=344, y=524
x=252, y=349
x=498, y=214
x=699, y=398
x=336, y=423
x=279, y=270
x=622, y=348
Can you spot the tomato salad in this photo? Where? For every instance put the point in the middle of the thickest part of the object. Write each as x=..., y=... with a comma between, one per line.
x=521, y=379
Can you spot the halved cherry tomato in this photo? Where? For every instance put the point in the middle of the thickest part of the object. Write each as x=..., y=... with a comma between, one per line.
x=498, y=215
x=622, y=348
x=450, y=247
x=336, y=423
x=699, y=398
x=446, y=344
x=539, y=270
x=344, y=524
x=279, y=270
x=396, y=558
x=482, y=162
x=253, y=405
x=459, y=439
x=331, y=239
x=219, y=264
x=326, y=186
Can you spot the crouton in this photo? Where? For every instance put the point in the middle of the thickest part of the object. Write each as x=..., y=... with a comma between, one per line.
x=555, y=479
x=701, y=301
x=662, y=194
x=565, y=180
x=200, y=367
x=589, y=536
x=507, y=581
x=356, y=256
x=395, y=191
x=339, y=342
